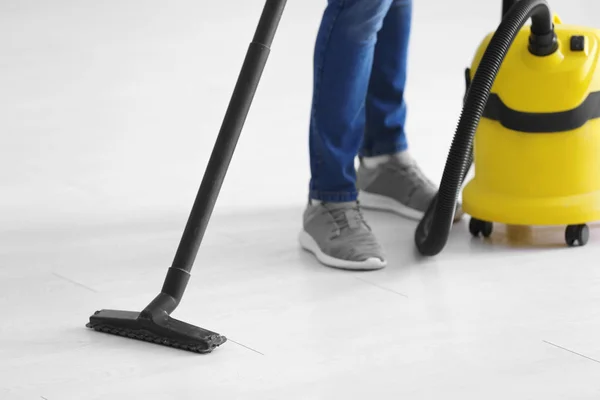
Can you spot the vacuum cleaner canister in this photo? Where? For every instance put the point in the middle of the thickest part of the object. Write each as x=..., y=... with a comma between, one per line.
x=537, y=147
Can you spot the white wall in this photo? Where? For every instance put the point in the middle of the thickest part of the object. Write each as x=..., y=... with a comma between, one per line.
x=113, y=107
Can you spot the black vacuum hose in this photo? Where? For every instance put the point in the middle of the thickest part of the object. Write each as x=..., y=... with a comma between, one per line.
x=433, y=230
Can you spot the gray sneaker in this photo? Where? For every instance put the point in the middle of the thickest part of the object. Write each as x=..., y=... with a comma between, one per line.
x=338, y=235
x=397, y=185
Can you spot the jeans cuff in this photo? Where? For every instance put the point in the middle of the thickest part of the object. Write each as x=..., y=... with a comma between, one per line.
x=384, y=150
x=333, y=197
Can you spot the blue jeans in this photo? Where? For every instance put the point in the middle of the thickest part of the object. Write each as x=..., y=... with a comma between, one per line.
x=358, y=103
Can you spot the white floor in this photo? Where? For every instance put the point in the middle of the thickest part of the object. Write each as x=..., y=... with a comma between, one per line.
x=514, y=318
x=110, y=113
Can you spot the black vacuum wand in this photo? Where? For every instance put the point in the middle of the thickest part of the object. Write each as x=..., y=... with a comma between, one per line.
x=154, y=323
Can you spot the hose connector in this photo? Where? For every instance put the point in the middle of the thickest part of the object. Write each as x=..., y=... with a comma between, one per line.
x=543, y=44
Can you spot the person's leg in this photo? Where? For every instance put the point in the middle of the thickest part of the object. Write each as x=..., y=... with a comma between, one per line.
x=333, y=227
x=343, y=61
x=389, y=179
x=385, y=105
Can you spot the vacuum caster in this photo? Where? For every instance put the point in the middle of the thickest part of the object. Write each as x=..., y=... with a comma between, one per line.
x=577, y=234
x=477, y=227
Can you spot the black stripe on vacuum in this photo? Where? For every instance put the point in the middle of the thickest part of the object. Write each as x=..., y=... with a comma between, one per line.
x=555, y=122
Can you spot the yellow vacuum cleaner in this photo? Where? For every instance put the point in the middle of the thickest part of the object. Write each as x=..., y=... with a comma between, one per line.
x=531, y=126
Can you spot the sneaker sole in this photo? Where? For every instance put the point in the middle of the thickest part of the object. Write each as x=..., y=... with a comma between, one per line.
x=309, y=244
x=371, y=201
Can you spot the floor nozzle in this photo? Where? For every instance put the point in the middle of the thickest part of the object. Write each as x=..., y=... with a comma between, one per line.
x=158, y=329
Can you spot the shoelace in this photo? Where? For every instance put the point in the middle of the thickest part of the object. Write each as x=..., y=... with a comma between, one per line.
x=345, y=218
x=356, y=244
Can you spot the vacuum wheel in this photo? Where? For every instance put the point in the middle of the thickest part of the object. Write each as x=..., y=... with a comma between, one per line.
x=477, y=227
x=577, y=235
